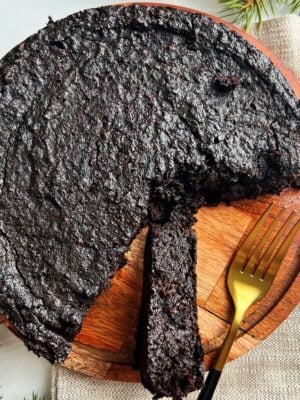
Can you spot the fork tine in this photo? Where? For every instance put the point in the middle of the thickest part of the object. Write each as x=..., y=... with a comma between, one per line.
x=267, y=256
x=257, y=252
x=281, y=252
x=246, y=245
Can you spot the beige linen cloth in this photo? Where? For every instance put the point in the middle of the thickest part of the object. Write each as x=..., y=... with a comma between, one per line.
x=269, y=372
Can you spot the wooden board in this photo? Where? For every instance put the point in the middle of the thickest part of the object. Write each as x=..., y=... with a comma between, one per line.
x=104, y=346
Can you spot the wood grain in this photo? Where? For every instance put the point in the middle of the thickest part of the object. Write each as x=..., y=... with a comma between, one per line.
x=107, y=335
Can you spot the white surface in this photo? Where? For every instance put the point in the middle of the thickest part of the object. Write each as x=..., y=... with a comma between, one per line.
x=21, y=371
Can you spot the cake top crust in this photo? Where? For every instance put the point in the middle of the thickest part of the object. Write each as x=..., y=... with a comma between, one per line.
x=114, y=117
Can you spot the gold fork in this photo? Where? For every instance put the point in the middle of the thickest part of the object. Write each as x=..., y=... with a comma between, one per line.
x=249, y=278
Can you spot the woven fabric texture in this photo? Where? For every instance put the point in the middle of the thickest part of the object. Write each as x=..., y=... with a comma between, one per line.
x=269, y=372
x=282, y=36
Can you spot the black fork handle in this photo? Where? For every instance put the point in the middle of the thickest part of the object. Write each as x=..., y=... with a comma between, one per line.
x=210, y=385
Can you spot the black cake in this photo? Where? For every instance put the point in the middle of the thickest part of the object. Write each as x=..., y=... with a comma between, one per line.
x=169, y=352
x=114, y=118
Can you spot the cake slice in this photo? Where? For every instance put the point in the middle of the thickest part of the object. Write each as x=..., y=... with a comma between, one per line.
x=169, y=352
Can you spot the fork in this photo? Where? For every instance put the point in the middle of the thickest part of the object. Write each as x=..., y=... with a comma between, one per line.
x=249, y=278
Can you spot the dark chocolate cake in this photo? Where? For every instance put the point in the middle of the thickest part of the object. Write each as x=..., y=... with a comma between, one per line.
x=112, y=118
x=169, y=351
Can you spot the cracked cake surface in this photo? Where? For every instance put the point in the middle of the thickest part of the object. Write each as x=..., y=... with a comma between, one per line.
x=112, y=118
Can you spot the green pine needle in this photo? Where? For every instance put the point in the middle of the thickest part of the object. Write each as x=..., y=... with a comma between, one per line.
x=294, y=5
x=245, y=12
x=35, y=396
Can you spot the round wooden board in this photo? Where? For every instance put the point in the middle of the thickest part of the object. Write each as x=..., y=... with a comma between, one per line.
x=104, y=347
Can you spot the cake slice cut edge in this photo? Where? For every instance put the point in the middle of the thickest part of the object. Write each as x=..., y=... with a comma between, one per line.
x=169, y=353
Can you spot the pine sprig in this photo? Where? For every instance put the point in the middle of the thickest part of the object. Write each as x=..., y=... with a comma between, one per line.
x=245, y=12
x=294, y=6
x=35, y=396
